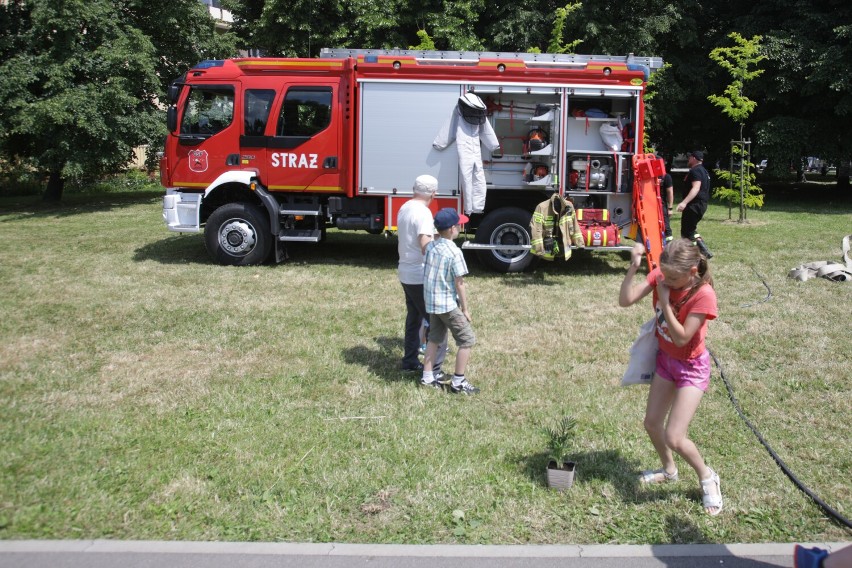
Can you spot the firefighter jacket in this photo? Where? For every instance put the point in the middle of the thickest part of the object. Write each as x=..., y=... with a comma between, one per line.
x=467, y=137
x=554, y=229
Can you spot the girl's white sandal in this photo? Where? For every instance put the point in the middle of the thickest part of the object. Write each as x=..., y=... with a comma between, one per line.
x=712, y=500
x=655, y=476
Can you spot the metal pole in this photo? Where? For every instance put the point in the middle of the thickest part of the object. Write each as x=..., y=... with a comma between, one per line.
x=742, y=189
x=731, y=177
x=744, y=155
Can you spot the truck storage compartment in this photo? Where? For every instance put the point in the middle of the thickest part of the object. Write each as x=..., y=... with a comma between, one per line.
x=394, y=145
x=526, y=120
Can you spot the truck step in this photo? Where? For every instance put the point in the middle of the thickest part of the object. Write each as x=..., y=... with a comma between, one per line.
x=296, y=210
x=301, y=235
x=480, y=246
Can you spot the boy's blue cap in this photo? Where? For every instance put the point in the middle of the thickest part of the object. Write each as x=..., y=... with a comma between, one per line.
x=447, y=217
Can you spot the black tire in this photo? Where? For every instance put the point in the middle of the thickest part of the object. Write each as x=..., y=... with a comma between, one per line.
x=238, y=234
x=506, y=226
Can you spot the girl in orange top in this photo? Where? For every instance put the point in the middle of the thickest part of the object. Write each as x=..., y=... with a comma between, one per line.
x=684, y=301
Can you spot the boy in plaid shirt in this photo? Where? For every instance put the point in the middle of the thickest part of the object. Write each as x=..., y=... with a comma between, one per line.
x=446, y=300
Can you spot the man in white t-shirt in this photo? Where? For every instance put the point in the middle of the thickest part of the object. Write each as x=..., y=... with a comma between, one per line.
x=415, y=229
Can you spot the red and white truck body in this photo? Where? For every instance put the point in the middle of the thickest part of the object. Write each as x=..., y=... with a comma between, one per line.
x=263, y=151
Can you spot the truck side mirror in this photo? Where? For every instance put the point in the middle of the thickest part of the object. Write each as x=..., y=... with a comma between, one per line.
x=171, y=118
x=173, y=93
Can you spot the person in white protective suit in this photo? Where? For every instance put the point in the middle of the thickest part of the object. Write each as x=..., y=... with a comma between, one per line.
x=468, y=126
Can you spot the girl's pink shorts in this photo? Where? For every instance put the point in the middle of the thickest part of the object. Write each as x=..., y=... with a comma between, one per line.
x=690, y=373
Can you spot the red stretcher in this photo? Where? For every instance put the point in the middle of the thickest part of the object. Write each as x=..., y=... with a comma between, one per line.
x=648, y=205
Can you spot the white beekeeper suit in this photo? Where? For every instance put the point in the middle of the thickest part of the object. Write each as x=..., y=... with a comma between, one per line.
x=468, y=126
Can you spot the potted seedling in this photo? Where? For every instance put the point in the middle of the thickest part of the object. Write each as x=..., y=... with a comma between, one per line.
x=560, y=437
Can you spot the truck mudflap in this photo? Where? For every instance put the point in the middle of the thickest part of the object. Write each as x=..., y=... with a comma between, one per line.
x=648, y=205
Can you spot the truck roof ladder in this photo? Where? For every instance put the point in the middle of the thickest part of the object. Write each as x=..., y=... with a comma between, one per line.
x=473, y=57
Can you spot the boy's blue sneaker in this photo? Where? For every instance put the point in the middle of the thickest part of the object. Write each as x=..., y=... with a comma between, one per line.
x=808, y=557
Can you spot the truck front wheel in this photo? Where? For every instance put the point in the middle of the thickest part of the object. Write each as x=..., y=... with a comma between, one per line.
x=238, y=234
x=506, y=227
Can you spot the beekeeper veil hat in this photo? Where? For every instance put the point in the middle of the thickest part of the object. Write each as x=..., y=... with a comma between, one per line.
x=472, y=108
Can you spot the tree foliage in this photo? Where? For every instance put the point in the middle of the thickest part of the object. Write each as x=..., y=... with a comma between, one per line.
x=80, y=79
x=738, y=61
x=806, y=92
x=557, y=40
x=741, y=62
x=80, y=82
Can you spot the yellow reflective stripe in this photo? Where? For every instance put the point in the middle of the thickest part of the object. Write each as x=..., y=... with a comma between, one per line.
x=277, y=63
x=317, y=188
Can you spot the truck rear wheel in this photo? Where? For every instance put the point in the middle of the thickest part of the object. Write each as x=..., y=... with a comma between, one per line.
x=238, y=234
x=505, y=226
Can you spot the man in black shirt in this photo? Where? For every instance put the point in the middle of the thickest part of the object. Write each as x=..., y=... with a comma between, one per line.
x=694, y=202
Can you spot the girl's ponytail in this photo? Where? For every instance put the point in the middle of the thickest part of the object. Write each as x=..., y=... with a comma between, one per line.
x=704, y=271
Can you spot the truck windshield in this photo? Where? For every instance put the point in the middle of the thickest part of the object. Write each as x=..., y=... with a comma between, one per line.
x=209, y=109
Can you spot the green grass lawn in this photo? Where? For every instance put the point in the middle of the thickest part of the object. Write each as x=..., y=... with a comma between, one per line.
x=150, y=394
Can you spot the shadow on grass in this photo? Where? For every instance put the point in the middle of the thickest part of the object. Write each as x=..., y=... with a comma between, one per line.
x=348, y=249
x=582, y=263
x=605, y=465
x=608, y=466
x=611, y=467
x=378, y=253
x=189, y=248
x=682, y=531
x=181, y=248
x=383, y=361
x=18, y=208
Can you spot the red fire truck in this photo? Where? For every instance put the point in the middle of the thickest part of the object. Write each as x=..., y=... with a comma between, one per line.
x=266, y=151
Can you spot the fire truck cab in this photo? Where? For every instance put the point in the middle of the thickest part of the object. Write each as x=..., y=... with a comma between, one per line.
x=265, y=151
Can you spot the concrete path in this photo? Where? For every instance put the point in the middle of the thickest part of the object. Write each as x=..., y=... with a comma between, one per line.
x=159, y=554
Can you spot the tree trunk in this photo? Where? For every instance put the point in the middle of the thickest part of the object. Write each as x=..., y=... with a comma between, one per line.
x=55, y=185
x=842, y=172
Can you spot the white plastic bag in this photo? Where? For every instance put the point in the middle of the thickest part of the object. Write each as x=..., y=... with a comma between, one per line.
x=643, y=356
x=611, y=136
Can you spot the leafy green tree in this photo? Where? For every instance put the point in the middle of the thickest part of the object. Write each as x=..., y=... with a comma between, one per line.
x=518, y=26
x=806, y=93
x=741, y=62
x=557, y=43
x=181, y=31
x=300, y=28
x=426, y=43
x=76, y=90
x=651, y=92
x=80, y=84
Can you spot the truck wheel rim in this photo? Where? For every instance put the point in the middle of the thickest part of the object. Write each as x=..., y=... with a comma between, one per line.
x=237, y=237
x=510, y=234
